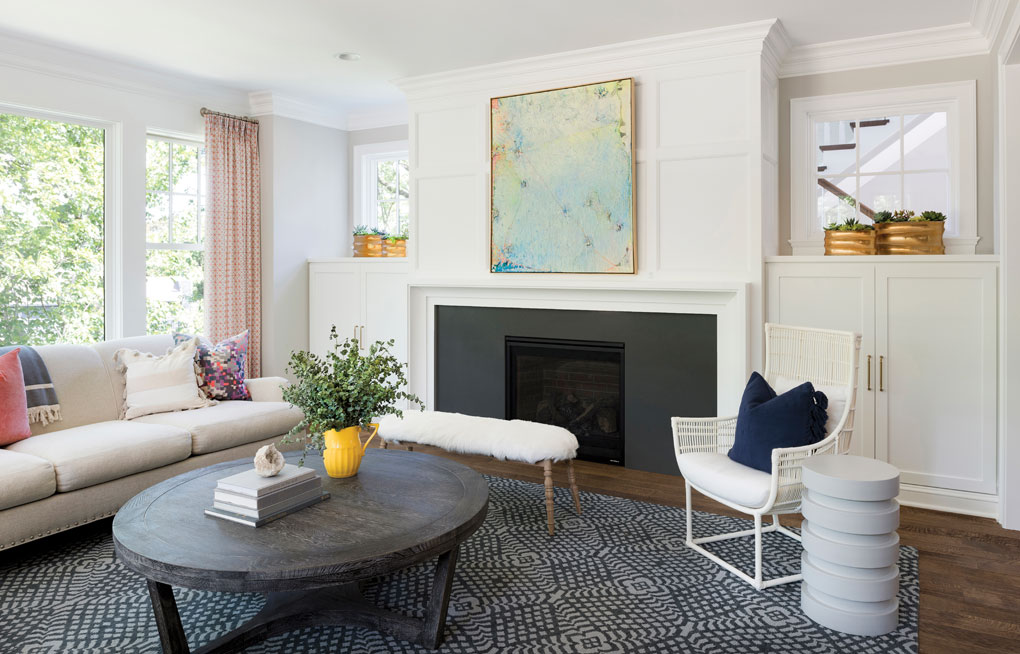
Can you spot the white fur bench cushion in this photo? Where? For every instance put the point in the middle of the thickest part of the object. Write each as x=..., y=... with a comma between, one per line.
x=517, y=440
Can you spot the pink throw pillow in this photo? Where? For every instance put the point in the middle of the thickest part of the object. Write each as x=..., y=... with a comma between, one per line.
x=13, y=403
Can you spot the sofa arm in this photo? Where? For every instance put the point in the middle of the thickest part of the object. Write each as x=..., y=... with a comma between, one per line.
x=266, y=389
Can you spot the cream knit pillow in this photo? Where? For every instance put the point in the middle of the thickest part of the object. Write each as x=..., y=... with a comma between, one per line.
x=155, y=384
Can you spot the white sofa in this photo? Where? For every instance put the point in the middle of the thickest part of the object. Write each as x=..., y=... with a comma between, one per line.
x=84, y=467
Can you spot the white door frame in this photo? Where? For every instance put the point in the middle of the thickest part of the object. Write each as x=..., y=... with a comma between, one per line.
x=1008, y=214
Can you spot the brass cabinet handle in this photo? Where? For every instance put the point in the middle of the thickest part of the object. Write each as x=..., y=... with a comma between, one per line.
x=869, y=372
x=362, y=339
x=881, y=373
x=355, y=337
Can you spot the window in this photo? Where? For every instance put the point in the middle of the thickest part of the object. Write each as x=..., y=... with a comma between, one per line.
x=174, y=227
x=382, y=186
x=856, y=154
x=52, y=227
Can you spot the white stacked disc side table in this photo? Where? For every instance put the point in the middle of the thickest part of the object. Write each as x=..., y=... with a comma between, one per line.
x=851, y=547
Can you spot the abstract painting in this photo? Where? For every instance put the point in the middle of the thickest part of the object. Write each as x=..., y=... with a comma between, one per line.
x=563, y=180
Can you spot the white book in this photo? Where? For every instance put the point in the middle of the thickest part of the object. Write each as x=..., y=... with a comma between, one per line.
x=252, y=484
x=275, y=497
x=213, y=512
x=270, y=509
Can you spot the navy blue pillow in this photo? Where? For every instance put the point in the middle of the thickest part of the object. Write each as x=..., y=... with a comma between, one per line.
x=767, y=421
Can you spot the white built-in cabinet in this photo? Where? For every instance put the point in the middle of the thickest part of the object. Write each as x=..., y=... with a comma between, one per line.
x=364, y=298
x=927, y=389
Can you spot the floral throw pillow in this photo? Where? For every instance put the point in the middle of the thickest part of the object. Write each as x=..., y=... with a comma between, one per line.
x=221, y=366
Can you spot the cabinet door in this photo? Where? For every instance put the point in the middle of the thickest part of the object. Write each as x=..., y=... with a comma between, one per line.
x=936, y=399
x=334, y=298
x=832, y=296
x=386, y=309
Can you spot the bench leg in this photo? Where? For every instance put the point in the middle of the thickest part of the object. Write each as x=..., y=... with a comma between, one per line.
x=573, y=485
x=547, y=468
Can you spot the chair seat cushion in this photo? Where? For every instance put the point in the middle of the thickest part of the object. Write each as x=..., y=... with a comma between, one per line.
x=24, y=478
x=229, y=424
x=91, y=454
x=723, y=477
x=766, y=421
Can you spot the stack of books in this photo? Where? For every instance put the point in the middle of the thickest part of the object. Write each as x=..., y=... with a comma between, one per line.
x=253, y=500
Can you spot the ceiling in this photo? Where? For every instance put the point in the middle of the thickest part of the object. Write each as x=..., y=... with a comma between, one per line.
x=288, y=47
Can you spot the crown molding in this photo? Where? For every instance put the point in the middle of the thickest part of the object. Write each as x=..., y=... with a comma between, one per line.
x=988, y=17
x=270, y=103
x=746, y=38
x=950, y=41
x=387, y=116
x=39, y=57
x=775, y=47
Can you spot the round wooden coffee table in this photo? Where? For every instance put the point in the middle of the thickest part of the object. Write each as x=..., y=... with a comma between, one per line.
x=401, y=508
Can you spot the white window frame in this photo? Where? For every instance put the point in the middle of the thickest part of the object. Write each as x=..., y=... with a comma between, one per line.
x=365, y=194
x=957, y=99
x=113, y=237
x=201, y=195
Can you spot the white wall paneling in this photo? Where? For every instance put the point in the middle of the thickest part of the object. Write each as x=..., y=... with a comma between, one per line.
x=705, y=107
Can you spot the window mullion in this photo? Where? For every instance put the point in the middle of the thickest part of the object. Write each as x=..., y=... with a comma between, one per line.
x=170, y=196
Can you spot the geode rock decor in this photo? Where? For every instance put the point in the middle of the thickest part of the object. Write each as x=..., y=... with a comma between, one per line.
x=269, y=461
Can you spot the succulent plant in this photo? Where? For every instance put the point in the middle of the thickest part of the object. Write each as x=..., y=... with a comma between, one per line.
x=362, y=230
x=931, y=216
x=882, y=216
x=832, y=227
x=902, y=216
x=848, y=225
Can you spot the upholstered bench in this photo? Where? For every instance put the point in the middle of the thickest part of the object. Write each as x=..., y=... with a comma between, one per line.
x=514, y=440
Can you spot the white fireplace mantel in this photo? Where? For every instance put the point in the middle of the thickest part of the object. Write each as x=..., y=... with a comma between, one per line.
x=728, y=301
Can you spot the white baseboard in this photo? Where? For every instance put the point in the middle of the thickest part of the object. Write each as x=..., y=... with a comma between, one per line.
x=953, y=501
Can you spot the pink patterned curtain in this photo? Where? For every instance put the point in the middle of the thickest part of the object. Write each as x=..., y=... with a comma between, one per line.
x=233, y=271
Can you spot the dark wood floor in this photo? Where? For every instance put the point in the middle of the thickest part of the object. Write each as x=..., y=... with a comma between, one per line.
x=970, y=567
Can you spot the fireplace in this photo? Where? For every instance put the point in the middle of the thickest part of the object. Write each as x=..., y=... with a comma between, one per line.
x=577, y=385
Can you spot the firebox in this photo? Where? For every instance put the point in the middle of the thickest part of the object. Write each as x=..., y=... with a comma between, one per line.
x=573, y=384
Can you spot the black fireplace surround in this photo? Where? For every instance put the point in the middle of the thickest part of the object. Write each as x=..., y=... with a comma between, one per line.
x=614, y=378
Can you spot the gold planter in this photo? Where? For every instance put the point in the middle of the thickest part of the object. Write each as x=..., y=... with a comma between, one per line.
x=395, y=248
x=368, y=245
x=839, y=243
x=910, y=237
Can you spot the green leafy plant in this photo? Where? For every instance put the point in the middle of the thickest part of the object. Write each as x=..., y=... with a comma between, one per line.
x=362, y=230
x=344, y=388
x=848, y=225
x=931, y=216
x=902, y=216
x=882, y=217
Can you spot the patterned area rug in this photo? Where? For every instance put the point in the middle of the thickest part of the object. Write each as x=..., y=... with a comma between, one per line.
x=617, y=579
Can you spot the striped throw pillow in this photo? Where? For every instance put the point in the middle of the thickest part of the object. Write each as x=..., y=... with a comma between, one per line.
x=158, y=384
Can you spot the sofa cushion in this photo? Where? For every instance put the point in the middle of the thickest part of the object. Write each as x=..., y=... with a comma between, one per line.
x=24, y=478
x=13, y=403
x=157, y=384
x=723, y=477
x=230, y=423
x=83, y=387
x=91, y=454
x=157, y=345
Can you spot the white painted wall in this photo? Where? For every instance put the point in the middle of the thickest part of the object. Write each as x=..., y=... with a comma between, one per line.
x=703, y=157
x=304, y=216
x=135, y=102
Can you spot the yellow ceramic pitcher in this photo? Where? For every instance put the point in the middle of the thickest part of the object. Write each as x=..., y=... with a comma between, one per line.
x=344, y=450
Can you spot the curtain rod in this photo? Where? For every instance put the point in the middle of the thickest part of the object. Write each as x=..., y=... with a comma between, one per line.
x=210, y=112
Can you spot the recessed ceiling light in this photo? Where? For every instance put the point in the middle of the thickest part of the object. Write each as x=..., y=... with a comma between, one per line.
x=347, y=56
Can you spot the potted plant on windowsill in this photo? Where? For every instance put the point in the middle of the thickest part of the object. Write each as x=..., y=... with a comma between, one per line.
x=903, y=232
x=395, y=245
x=367, y=242
x=849, y=237
x=340, y=393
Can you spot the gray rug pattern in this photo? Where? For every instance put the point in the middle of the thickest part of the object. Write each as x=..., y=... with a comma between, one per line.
x=617, y=579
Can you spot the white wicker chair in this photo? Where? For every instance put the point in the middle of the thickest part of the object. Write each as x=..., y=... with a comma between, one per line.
x=823, y=357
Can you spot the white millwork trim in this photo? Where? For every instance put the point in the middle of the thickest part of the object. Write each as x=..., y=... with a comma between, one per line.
x=957, y=99
x=953, y=501
x=66, y=63
x=266, y=103
x=929, y=44
x=988, y=17
x=611, y=59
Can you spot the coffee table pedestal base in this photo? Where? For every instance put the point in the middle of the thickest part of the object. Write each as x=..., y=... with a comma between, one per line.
x=331, y=606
